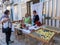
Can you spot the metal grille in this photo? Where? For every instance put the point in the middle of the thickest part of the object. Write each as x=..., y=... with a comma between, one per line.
x=52, y=10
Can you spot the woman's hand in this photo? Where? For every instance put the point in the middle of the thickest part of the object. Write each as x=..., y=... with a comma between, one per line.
x=5, y=20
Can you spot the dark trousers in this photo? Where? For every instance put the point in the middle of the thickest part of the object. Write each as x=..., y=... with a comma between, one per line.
x=8, y=35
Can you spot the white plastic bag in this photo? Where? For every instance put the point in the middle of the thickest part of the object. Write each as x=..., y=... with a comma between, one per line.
x=13, y=28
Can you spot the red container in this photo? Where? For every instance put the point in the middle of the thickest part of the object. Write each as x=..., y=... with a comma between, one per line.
x=38, y=23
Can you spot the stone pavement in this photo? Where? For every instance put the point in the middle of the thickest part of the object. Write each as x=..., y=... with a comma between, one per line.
x=2, y=38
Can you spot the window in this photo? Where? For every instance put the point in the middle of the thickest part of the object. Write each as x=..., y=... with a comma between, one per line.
x=15, y=13
x=35, y=1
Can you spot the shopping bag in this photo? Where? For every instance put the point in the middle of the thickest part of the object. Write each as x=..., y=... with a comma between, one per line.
x=13, y=28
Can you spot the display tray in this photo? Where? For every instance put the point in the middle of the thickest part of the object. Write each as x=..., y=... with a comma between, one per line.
x=53, y=28
x=44, y=34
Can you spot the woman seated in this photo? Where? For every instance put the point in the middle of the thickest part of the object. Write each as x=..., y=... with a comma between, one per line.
x=36, y=19
x=27, y=19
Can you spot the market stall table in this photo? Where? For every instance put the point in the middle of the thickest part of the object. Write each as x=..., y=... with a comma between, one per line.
x=43, y=35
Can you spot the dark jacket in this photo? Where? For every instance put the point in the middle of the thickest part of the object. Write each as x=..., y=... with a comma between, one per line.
x=35, y=18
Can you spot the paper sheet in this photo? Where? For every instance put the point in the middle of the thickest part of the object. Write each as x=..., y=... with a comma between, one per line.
x=26, y=31
x=33, y=27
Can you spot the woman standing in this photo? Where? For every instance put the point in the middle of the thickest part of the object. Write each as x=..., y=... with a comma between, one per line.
x=6, y=25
